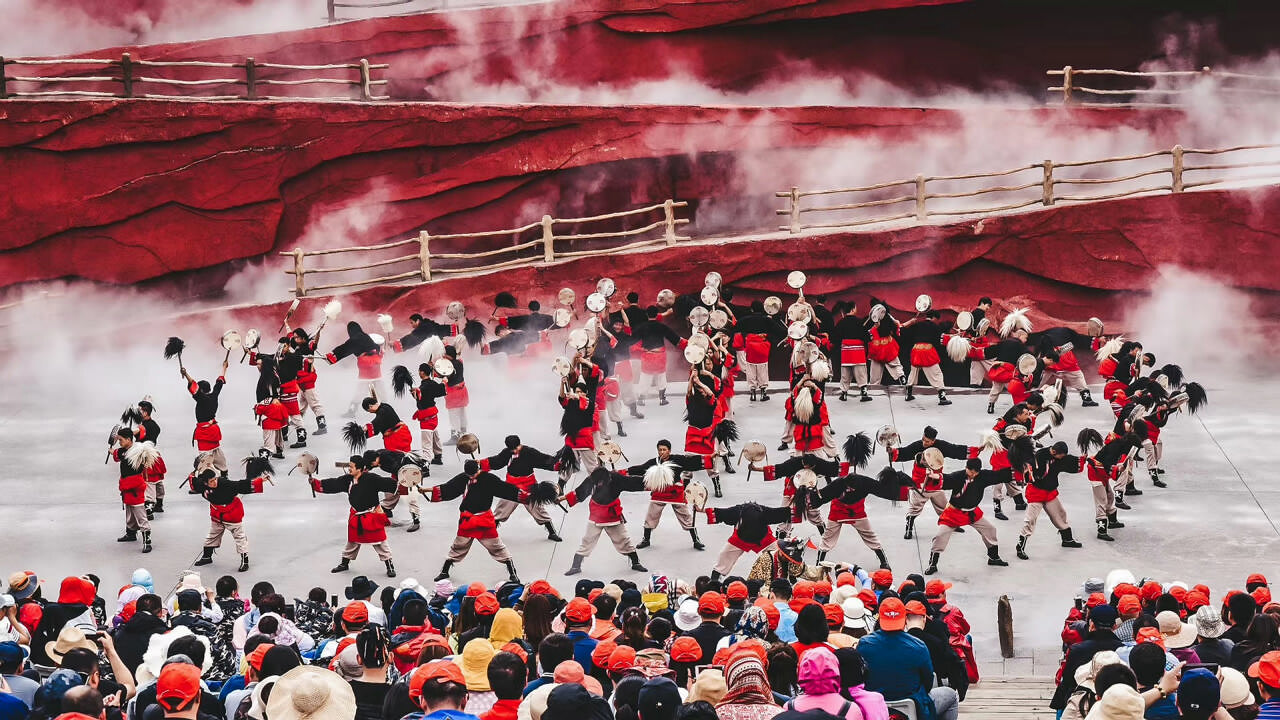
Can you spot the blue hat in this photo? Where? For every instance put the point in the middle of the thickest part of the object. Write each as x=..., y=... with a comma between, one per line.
x=142, y=577
x=57, y=685
x=1103, y=616
x=11, y=651
x=1199, y=692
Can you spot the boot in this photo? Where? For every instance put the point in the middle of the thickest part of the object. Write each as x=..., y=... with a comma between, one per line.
x=1132, y=490
x=635, y=562
x=278, y=454
x=388, y=513
x=417, y=523
x=1155, y=480
x=715, y=576
x=662, y=397
x=991, y=408
x=302, y=439
x=911, y=526
x=151, y=513
x=244, y=562
x=864, y=397
x=1067, y=540
x=715, y=483
x=942, y=398
x=1086, y=400
x=993, y=557
x=128, y=536
x=753, y=395
x=1019, y=503
x=648, y=535
x=284, y=433
x=391, y=569
x=576, y=567
x=453, y=438
x=321, y=428
x=884, y=559
x=1022, y=548
x=635, y=413
x=1120, y=503
x=1102, y=530
x=782, y=447
x=999, y=513
x=511, y=571
x=158, y=508
x=146, y=541
x=444, y=571
x=621, y=432
x=764, y=394
x=1114, y=523
x=206, y=557
x=911, y=392
x=697, y=544
x=342, y=566
x=552, y=535
x=437, y=460
x=933, y=564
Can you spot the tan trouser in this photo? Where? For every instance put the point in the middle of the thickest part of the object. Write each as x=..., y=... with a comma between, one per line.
x=684, y=515
x=933, y=374
x=295, y=421
x=431, y=442
x=996, y=389
x=1125, y=477
x=917, y=500
x=978, y=371
x=985, y=529
x=135, y=517
x=729, y=557
x=789, y=433
x=391, y=500
x=351, y=549
x=812, y=514
x=617, y=533
x=878, y=369
x=1071, y=380
x=462, y=545
x=271, y=440
x=1009, y=489
x=862, y=525
x=1104, y=500
x=757, y=373
x=505, y=508
x=614, y=407
x=155, y=491
x=587, y=462
x=457, y=421
x=218, y=457
x=216, y=529
x=1153, y=452
x=657, y=381
x=850, y=374
x=1054, y=509
x=310, y=399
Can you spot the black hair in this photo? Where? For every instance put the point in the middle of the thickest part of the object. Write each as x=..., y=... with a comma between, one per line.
x=279, y=660
x=1262, y=631
x=605, y=606
x=190, y=646
x=1241, y=608
x=633, y=297
x=148, y=603
x=126, y=433
x=534, y=306
x=1060, y=447
x=358, y=461
x=414, y=612
x=507, y=673
x=252, y=642
x=273, y=602
x=226, y=586
x=553, y=650
x=664, y=443
x=470, y=467
x=188, y=600
x=260, y=590
x=811, y=625
x=659, y=629
x=81, y=660
x=783, y=663
x=973, y=464
x=984, y=300
x=436, y=692
x=84, y=700
x=512, y=442
x=368, y=402
x=1147, y=662
x=371, y=646
x=853, y=669
x=699, y=710
x=781, y=588
x=931, y=432
x=415, y=318
x=317, y=595
x=268, y=625
x=1115, y=674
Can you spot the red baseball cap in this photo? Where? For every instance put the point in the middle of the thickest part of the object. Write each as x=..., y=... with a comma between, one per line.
x=882, y=578
x=835, y=616
x=355, y=613
x=937, y=588
x=803, y=590
x=1095, y=599
x=1128, y=605
x=579, y=611
x=1196, y=600
x=685, y=650
x=515, y=649
x=1203, y=589
x=893, y=614
x=846, y=578
x=475, y=589
x=1261, y=595
x=868, y=598
x=487, y=604
x=595, y=593
x=711, y=603
x=542, y=587
x=1152, y=591
x=178, y=685
x=1267, y=669
x=600, y=656
x=443, y=670
x=915, y=607
x=1126, y=589
x=1149, y=635
x=1179, y=593
x=737, y=590
x=721, y=658
x=255, y=657
x=771, y=612
x=822, y=588
x=622, y=658
x=1258, y=578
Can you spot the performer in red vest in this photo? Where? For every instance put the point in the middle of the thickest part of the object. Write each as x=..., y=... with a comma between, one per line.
x=366, y=523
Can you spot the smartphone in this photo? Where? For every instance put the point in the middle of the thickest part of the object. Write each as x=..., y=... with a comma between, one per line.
x=697, y=669
x=288, y=611
x=333, y=601
x=1211, y=667
x=1080, y=603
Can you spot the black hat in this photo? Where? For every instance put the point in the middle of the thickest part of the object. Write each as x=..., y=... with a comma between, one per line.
x=572, y=700
x=659, y=699
x=361, y=588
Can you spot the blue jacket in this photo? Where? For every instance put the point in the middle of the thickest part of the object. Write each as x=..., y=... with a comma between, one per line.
x=583, y=646
x=442, y=715
x=898, y=667
x=786, y=631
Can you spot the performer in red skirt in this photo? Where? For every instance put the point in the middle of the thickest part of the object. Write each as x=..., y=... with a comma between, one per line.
x=386, y=422
x=751, y=532
x=137, y=461
x=654, y=337
x=926, y=335
x=703, y=409
x=964, y=509
x=1042, y=494
x=207, y=436
x=275, y=417
x=456, y=397
x=366, y=523
x=476, y=522
x=755, y=336
x=666, y=487
x=521, y=461
x=226, y=512
x=308, y=397
x=368, y=354
x=883, y=350
x=1004, y=357
x=851, y=336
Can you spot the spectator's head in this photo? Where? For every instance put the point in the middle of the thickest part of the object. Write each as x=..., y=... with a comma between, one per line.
x=226, y=587
x=1235, y=692
x=819, y=672
x=259, y=591
x=355, y=617
x=148, y=603
x=711, y=606
x=1102, y=617
x=578, y=614
x=278, y=660
x=371, y=647
x=553, y=650
x=84, y=700
x=811, y=625
x=1147, y=662
x=438, y=685
x=188, y=601
x=474, y=661
x=414, y=612
x=1241, y=608
x=1114, y=674
x=272, y=603
x=658, y=629
x=311, y=693
x=697, y=710
x=917, y=614
x=1199, y=694
x=507, y=674
x=1120, y=702
x=605, y=606
x=269, y=625
x=893, y=615
x=659, y=700
x=191, y=647
x=573, y=700
x=178, y=690
x=84, y=662
x=1267, y=674
x=709, y=686
x=781, y=589
x=782, y=667
x=1262, y=631
x=11, y=658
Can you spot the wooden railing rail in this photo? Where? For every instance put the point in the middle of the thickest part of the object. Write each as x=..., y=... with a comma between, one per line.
x=429, y=264
x=123, y=78
x=1041, y=184
x=333, y=5
x=1166, y=85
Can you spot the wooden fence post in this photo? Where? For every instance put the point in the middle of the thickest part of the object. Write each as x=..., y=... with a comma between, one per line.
x=424, y=255
x=4, y=89
x=251, y=79
x=299, y=284
x=921, y=213
x=365, y=92
x=1048, y=183
x=795, y=210
x=548, y=239
x=1177, y=168
x=1066, y=85
x=669, y=214
x=1004, y=625
x=126, y=74
x=332, y=11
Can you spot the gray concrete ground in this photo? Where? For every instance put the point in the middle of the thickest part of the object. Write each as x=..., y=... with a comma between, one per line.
x=61, y=515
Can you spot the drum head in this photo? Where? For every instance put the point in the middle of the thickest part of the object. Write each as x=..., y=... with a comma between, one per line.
x=579, y=338
x=1013, y=432
x=566, y=296
x=409, y=474
x=1027, y=364
x=455, y=311
x=700, y=340
x=878, y=312
x=561, y=366
x=606, y=287
x=443, y=367
x=699, y=317
x=719, y=319
x=799, y=312
x=772, y=305
x=713, y=280
x=666, y=298
x=796, y=279
x=709, y=295
x=468, y=444
x=609, y=452
x=695, y=493
x=694, y=354
x=964, y=320
x=888, y=436
x=797, y=330
x=1096, y=328
x=231, y=340
x=596, y=302
x=562, y=317
x=307, y=463
x=754, y=451
x=923, y=303
x=933, y=458
x=983, y=325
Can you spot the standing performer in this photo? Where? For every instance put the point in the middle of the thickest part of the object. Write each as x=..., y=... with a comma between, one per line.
x=654, y=336
x=704, y=413
x=926, y=477
x=475, y=515
x=305, y=346
x=623, y=322
x=850, y=335
x=751, y=532
x=268, y=375
x=796, y=465
x=602, y=489
x=430, y=387
x=964, y=509
x=848, y=497
x=577, y=423
x=925, y=354
x=288, y=366
x=1004, y=356
x=1057, y=347
x=883, y=348
x=368, y=354
x=456, y=397
x=1022, y=417
x=754, y=338
x=275, y=417
x=366, y=523
x=207, y=435
x=1104, y=468
x=810, y=423
x=226, y=512
x=665, y=477
x=520, y=461
x=390, y=462
x=136, y=460
x=149, y=431
x=1042, y=493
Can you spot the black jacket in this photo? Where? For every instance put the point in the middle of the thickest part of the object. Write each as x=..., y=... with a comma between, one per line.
x=132, y=638
x=708, y=635
x=947, y=665
x=363, y=495
x=966, y=494
x=1045, y=471
x=477, y=493
x=1078, y=655
x=523, y=463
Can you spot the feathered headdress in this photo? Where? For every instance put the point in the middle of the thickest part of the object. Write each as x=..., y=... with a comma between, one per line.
x=401, y=380
x=803, y=405
x=659, y=477
x=142, y=455
x=355, y=436
x=857, y=449
x=1109, y=348
x=958, y=348
x=1015, y=320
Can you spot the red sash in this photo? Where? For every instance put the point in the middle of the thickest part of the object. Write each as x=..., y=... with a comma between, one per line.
x=844, y=512
x=232, y=512
x=428, y=418
x=758, y=348
x=207, y=435
x=624, y=371
x=398, y=438
x=481, y=526
x=1036, y=495
x=1000, y=372
x=883, y=350
x=369, y=366
x=524, y=483
x=700, y=441
x=952, y=517
x=133, y=489
x=924, y=355
x=610, y=514
x=1067, y=362
x=366, y=527
x=853, y=352
x=456, y=396
x=654, y=362
x=741, y=544
x=673, y=494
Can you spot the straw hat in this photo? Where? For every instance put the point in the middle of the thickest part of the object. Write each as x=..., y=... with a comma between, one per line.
x=311, y=693
x=1177, y=634
x=1235, y=688
x=70, y=638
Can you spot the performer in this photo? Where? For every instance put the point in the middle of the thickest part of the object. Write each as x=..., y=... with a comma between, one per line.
x=964, y=509
x=1022, y=415
x=288, y=366
x=808, y=418
x=386, y=422
x=430, y=387
x=275, y=417
x=1104, y=468
x=1042, y=493
x=926, y=477
x=848, y=497
x=754, y=337
x=925, y=354
x=577, y=423
x=1004, y=356
x=137, y=460
x=788, y=469
x=456, y=397
x=654, y=336
x=207, y=435
x=521, y=461
x=850, y=335
x=475, y=514
x=623, y=322
x=268, y=375
x=666, y=477
x=1057, y=347
x=883, y=348
x=390, y=462
x=602, y=488
x=226, y=512
x=366, y=523
x=423, y=328
x=751, y=532
x=368, y=354
x=149, y=431
x=308, y=398
x=704, y=413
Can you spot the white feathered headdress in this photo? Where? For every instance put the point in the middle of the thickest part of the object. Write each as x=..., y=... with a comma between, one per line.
x=432, y=348
x=142, y=455
x=803, y=405
x=659, y=477
x=1015, y=320
x=1109, y=348
x=958, y=348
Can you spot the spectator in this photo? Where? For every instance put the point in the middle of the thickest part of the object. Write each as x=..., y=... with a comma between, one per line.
x=506, y=678
x=1239, y=611
x=179, y=646
x=134, y=635
x=578, y=618
x=249, y=619
x=604, y=629
x=898, y=665
x=858, y=621
x=781, y=590
x=572, y=701
x=48, y=697
x=11, y=661
x=659, y=700
x=11, y=627
x=1266, y=672
x=1260, y=639
x=360, y=590
x=1199, y=695
x=1236, y=695
x=474, y=662
x=708, y=687
x=1100, y=636
x=257, y=647
x=190, y=616
x=753, y=624
x=553, y=650
x=506, y=627
x=538, y=613
x=1119, y=702
x=1148, y=664
x=1210, y=646
x=697, y=710
x=947, y=665
x=748, y=695
x=711, y=607
x=114, y=692
x=783, y=665
x=819, y=680
x=191, y=581
x=82, y=702
x=853, y=679
x=811, y=629
x=371, y=685
x=1178, y=637
x=75, y=596
x=353, y=619
x=310, y=693
x=178, y=692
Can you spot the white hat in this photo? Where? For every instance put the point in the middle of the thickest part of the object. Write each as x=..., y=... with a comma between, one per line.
x=686, y=617
x=1235, y=688
x=856, y=615
x=1177, y=634
x=842, y=593
x=1088, y=671
x=158, y=652
x=1119, y=702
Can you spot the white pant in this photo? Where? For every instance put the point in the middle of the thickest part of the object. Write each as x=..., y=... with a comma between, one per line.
x=985, y=529
x=457, y=421
x=271, y=440
x=757, y=373
x=135, y=518
x=684, y=515
x=462, y=545
x=850, y=374
x=1151, y=451
x=505, y=508
x=978, y=371
x=1104, y=500
x=155, y=491
x=310, y=399
x=878, y=369
x=996, y=389
x=216, y=529
x=1054, y=509
x=617, y=533
x=431, y=442
x=862, y=525
x=351, y=550
x=658, y=382
x=391, y=500
x=933, y=374
x=1071, y=380
x=917, y=500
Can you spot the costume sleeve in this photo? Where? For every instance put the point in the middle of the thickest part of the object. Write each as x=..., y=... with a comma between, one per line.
x=382, y=482
x=639, y=470
x=775, y=515
x=448, y=490
x=330, y=486
x=541, y=460
x=217, y=385
x=504, y=490
x=953, y=451
x=907, y=452
x=725, y=516
x=669, y=335
x=830, y=491
x=583, y=491
x=498, y=461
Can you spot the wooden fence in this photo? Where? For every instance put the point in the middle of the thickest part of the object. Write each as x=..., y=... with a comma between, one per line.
x=333, y=5
x=1041, y=184
x=127, y=78
x=540, y=249
x=1157, y=88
